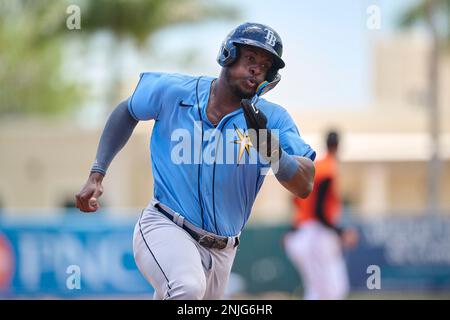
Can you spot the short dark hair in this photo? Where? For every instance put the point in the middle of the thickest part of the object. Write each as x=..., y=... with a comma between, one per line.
x=332, y=139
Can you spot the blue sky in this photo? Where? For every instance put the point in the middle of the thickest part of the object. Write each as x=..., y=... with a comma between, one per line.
x=327, y=48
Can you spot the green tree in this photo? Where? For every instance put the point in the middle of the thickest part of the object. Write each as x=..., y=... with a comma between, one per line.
x=140, y=18
x=33, y=33
x=30, y=57
x=137, y=19
x=435, y=15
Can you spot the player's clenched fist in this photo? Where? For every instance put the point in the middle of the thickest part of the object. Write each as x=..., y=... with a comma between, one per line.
x=257, y=120
x=87, y=198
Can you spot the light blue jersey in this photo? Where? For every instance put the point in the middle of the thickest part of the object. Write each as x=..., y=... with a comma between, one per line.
x=213, y=190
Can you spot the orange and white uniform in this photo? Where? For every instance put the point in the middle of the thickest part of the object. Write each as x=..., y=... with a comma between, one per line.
x=324, y=198
x=315, y=247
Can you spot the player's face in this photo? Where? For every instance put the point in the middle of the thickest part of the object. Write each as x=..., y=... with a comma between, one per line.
x=249, y=70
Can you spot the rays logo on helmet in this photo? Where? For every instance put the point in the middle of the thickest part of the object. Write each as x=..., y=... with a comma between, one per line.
x=271, y=39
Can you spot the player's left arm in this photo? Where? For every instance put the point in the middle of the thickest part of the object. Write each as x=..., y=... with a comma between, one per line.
x=290, y=157
x=302, y=181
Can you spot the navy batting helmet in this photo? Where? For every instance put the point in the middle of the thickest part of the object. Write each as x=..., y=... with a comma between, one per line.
x=257, y=35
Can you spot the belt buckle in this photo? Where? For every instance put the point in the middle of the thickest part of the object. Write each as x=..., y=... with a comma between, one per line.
x=207, y=241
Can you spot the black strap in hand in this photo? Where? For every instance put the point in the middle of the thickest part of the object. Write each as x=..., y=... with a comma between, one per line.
x=257, y=120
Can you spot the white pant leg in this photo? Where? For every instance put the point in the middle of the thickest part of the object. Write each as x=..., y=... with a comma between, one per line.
x=316, y=253
x=168, y=258
x=335, y=270
x=175, y=264
x=218, y=275
x=300, y=250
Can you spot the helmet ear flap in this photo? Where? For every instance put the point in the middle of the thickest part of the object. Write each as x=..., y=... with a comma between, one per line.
x=271, y=74
x=227, y=54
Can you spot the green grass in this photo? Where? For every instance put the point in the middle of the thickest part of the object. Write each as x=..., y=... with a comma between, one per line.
x=376, y=295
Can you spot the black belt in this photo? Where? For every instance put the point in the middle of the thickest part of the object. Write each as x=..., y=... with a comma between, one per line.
x=206, y=240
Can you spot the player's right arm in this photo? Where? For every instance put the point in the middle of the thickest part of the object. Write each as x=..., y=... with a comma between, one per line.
x=145, y=104
x=348, y=236
x=322, y=190
x=117, y=131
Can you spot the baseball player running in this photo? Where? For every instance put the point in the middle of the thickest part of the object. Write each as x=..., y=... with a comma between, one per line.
x=213, y=141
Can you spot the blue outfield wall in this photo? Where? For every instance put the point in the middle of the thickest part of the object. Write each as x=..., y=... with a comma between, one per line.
x=413, y=255
x=42, y=251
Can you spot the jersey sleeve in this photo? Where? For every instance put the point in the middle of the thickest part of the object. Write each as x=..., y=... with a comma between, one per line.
x=148, y=96
x=290, y=139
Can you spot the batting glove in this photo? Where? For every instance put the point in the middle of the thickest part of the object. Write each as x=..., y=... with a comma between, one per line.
x=257, y=121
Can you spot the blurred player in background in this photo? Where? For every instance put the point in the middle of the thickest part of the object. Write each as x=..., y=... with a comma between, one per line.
x=316, y=245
